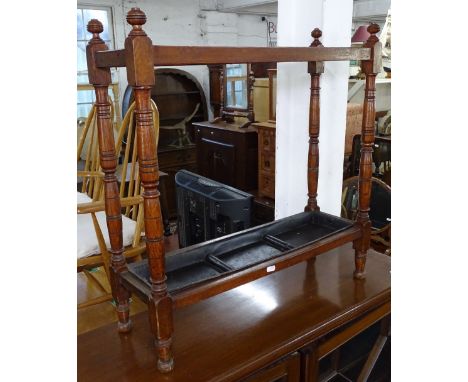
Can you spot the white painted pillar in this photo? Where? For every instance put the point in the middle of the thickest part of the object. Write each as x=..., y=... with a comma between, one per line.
x=296, y=20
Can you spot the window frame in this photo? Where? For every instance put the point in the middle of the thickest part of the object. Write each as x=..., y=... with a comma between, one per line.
x=83, y=83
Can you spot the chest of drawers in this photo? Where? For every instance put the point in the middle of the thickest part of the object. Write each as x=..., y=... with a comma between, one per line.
x=266, y=158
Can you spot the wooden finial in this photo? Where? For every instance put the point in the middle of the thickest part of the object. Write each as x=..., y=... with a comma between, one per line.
x=95, y=27
x=316, y=34
x=373, y=29
x=136, y=18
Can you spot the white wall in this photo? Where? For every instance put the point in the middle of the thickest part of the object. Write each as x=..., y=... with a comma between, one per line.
x=296, y=20
x=383, y=92
x=182, y=22
x=370, y=8
x=366, y=11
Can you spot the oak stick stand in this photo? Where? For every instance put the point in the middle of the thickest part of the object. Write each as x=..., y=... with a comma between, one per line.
x=139, y=57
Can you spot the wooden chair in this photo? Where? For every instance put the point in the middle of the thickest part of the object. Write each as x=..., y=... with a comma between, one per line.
x=381, y=158
x=89, y=174
x=380, y=210
x=93, y=237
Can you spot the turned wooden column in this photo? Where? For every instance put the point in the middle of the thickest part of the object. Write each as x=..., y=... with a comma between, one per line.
x=140, y=74
x=315, y=70
x=101, y=79
x=250, y=86
x=221, y=91
x=370, y=68
x=216, y=78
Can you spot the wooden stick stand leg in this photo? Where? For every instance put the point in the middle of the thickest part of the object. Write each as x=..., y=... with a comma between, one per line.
x=370, y=68
x=101, y=78
x=315, y=70
x=141, y=78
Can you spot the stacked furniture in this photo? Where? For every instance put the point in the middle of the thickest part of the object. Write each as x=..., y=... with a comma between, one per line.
x=227, y=145
x=177, y=95
x=196, y=273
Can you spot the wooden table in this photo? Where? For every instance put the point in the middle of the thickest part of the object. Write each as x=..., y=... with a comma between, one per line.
x=256, y=328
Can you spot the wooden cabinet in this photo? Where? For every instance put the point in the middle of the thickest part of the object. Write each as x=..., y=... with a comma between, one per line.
x=266, y=158
x=172, y=160
x=227, y=153
x=176, y=94
x=284, y=370
x=261, y=103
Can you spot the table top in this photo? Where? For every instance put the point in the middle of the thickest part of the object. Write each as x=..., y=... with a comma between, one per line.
x=265, y=124
x=245, y=328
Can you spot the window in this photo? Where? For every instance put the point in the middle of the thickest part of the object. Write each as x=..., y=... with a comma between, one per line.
x=85, y=94
x=236, y=86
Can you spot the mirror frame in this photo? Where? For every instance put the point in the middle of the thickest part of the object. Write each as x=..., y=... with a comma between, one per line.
x=225, y=80
x=227, y=113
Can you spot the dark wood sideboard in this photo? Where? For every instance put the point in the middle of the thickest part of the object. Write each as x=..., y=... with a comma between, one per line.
x=227, y=153
x=273, y=329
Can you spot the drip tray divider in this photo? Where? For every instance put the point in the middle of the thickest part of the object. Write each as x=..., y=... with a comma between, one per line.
x=278, y=243
x=212, y=260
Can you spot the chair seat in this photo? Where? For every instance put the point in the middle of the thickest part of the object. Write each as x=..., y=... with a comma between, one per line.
x=87, y=243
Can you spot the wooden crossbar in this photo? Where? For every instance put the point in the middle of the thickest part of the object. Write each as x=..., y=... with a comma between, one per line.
x=198, y=55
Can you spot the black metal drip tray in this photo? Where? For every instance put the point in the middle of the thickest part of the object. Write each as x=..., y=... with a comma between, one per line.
x=178, y=278
x=318, y=226
x=214, y=258
x=305, y=234
x=251, y=254
x=189, y=275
